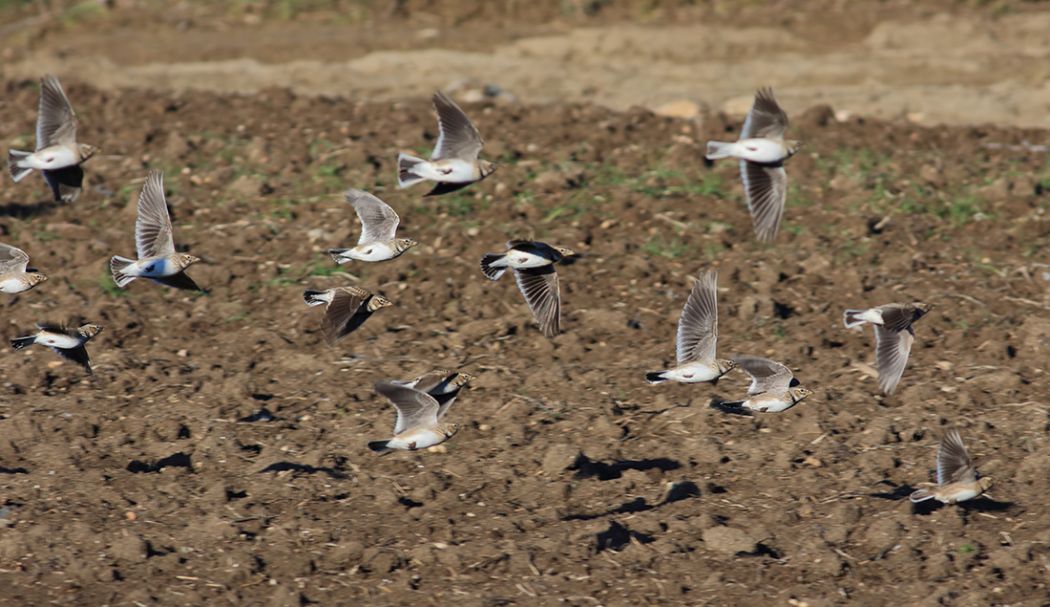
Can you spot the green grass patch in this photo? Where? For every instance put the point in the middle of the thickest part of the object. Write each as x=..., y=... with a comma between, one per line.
x=672, y=248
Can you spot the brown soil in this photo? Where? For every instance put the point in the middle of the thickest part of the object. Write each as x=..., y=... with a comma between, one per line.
x=218, y=455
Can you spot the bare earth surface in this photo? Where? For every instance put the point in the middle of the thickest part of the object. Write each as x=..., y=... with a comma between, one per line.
x=218, y=455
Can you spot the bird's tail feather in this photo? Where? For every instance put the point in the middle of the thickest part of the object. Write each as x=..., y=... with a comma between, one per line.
x=492, y=272
x=718, y=149
x=655, y=377
x=17, y=172
x=920, y=495
x=23, y=342
x=337, y=256
x=117, y=265
x=852, y=318
x=314, y=298
x=379, y=446
x=734, y=407
x=406, y=165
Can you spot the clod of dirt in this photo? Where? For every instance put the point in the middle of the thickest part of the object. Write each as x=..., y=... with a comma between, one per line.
x=728, y=540
x=558, y=458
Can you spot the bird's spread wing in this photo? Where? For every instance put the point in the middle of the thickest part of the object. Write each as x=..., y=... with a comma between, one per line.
x=56, y=123
x=414, y=408
x=766, y=189
x=181, y=280
x=765, y=374
x=346, y=301
x=766, y=118
x=953, y=462
x=428, y=381
x=12, y=260
x=540, y=288
x=78, y=355
x=378, y=221
x=65, y=183
x=698, y=325
x=153, y=236
x=897, y=317
x=891, y=355
x=459, y=137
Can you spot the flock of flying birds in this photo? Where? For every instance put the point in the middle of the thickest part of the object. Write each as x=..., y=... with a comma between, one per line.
x=423, y=402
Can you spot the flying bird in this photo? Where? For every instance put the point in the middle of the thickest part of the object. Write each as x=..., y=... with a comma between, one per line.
x=154, y=244
x=419, y=417
x=454, y=163
x=14, y=274
x=58, y=156
x=773, y=387
x=533, y=265
x=893, y=336
x=697, y=337
x=762, y=151
x=442, y=384
x=378, y=241
x=67, y=342
x=956, y=475
x=346, y=309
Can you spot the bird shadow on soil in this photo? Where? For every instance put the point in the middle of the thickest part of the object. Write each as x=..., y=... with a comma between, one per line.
x=19, y=470
x=298, y=468
x=24, y=210
x=678, y=492
x=586, y=467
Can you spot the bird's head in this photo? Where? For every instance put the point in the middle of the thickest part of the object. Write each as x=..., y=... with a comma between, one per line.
x=86, y=151
x=487, y=167
x=35, y=278
x=89, y=330
x=922, y=308
x=798, y=394
x=564, y=251
x=186, y=260
x=404, y=244
x=378, y=301
x=985, y=483
x=725, y=366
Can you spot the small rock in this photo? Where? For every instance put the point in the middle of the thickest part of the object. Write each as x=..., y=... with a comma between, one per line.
x=681, y=108
x=728, y=540
x=558, y=458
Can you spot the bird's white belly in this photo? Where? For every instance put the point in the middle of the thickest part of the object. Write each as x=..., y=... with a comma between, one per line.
x=449, y=170
x=958, y=496
x=521, y=260
x=416, y=439
x=63, y=342
x=13, y=285
x=376, y=251
x=54, y=157
x=773, y=405
x=693, y=373
x=153, y=267
x=764, y=151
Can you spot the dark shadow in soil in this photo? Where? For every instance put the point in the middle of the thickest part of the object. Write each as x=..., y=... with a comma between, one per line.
x=304, y=469
x=19, y=470
x=897, y=493
x=22, y=210
x=585, y=467
x=678, y=492
x=262, y=415
x=617, y=537
x=175, y=460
